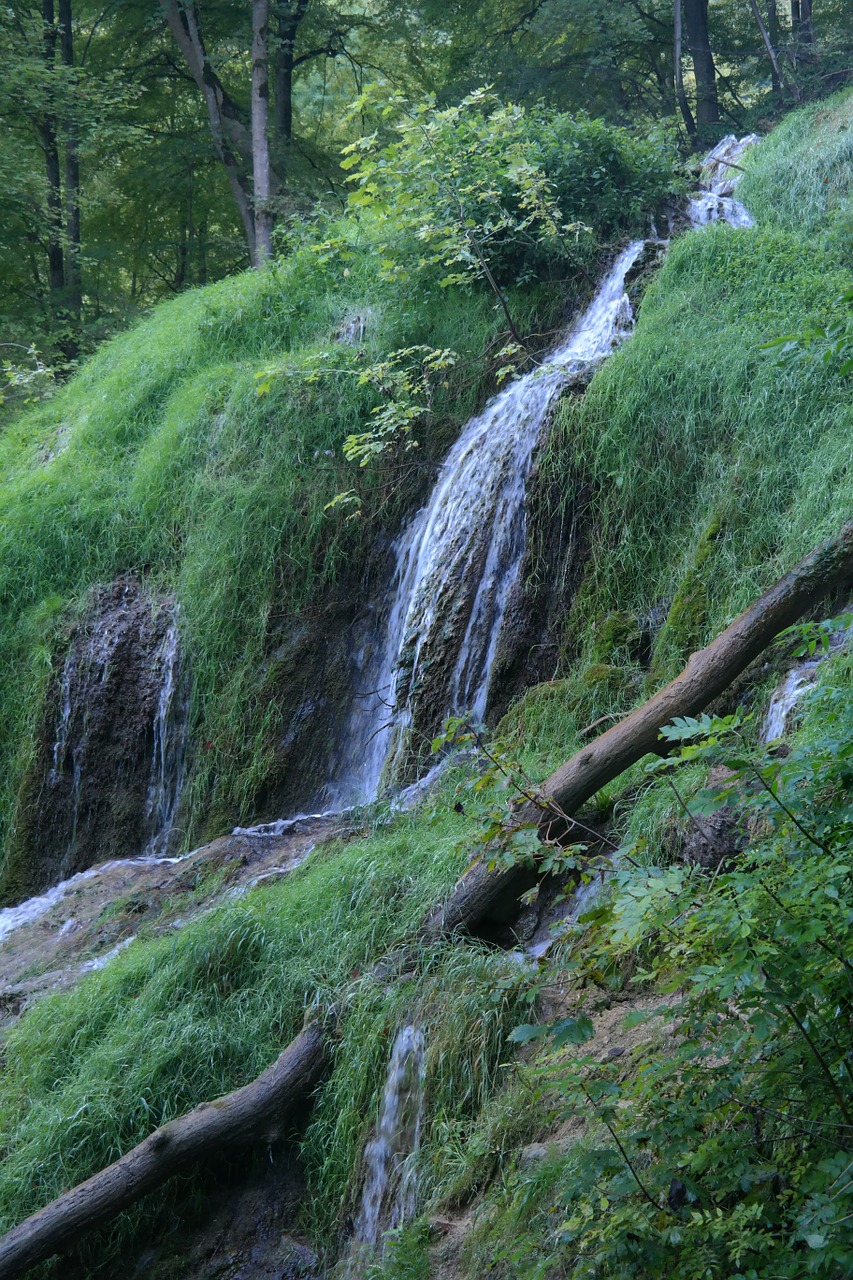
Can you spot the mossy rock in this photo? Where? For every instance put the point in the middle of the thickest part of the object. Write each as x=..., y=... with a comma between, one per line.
x=686, y=622
x=618, y=632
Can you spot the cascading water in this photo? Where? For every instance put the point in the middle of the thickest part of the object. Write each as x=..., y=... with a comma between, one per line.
x=721, y=174
x=458, y=560
x=389, y=1197
x=170, y=745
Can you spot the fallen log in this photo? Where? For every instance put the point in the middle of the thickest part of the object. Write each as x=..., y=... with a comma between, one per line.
x=257, y=1109
x=484, y=894
x=248, y=1114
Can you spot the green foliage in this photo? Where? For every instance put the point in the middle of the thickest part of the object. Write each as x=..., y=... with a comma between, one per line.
x=493, y=192
x=690, y=424
x=727, y=1154
x=832, y=343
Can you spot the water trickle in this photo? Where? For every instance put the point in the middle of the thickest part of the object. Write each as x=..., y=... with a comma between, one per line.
x=785, y=698
x=170, y=742
x=12, y=918
x=112, y=745
x=390, y=1189
x=796, y=684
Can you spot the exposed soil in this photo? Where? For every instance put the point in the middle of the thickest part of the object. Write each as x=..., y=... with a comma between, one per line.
x=81, y=924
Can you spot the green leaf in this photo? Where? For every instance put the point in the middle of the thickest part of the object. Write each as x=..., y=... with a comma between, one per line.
x=526, y=1033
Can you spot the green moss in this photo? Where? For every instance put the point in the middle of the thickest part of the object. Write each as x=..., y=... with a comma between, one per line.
x=687, y=619
x=617, y=633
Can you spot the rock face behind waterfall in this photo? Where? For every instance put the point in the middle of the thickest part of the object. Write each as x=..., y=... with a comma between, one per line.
x=106, y=775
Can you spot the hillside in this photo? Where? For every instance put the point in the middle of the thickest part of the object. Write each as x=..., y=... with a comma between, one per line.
x=689, y=1112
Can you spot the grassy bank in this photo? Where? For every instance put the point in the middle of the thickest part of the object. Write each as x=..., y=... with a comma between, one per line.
x=707, y=470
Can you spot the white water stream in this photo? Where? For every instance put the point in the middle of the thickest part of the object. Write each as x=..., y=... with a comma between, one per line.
x=389, y=1197
x=463, y=549
x=170, y=745
x=720, y=175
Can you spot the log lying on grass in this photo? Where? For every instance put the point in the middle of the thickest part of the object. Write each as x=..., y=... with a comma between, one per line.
x=246, y=1115
x=482, y=894
x=257, y=1109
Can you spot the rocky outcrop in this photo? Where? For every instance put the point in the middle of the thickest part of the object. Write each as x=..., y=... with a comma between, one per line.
x=105, y=779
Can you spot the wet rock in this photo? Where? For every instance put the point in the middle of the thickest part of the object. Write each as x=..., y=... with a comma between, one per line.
x=98, y=788
x=714, y=841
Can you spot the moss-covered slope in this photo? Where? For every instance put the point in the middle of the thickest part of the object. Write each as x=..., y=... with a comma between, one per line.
x=704, y=469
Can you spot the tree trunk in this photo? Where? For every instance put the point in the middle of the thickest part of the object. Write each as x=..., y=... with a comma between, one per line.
x=778, y=79
x=707, y=674
x=773, y=34
x=230, y=137
x=55, y=260
x=73, y=279
x=260, y=140
x=289, y=18
x=696, y=26
x=248, y=1114
x=686, y=113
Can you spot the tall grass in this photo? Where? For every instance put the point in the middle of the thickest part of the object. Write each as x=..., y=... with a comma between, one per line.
x=705, y=470
x=179, y=1019
x=161, y=460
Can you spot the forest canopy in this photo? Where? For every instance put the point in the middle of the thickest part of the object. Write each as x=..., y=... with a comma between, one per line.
x=149, y=148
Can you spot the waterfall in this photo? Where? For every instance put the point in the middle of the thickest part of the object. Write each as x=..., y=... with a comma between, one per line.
x=389, y=1197
x=170, y=742
x=458, y=560
x=715, y=203
x=112, y=744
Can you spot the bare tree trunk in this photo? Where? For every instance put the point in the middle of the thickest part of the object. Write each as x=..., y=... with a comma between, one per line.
x=696, y=26
x=708, y=673
x=260, y=140
x=686, y=113
x=773, y=33
x=230, y=137
x=778, y=79
x=254, y=1112
x=289, y=17
x=802, y=30
x=50, y=146
x=73, y=278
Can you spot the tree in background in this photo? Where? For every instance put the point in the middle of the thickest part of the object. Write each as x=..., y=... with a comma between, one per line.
x=148, y=148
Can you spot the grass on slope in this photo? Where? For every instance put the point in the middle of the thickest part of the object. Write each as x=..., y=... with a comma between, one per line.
x=706, y=469
x=160, y=460
x=177, y=1020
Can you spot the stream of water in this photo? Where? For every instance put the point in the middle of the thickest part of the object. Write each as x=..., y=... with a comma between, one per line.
x=458, y=560
x=389, y=1195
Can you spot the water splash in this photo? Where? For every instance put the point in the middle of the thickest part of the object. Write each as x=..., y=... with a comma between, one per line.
x=721, y=174
x=390, y=1188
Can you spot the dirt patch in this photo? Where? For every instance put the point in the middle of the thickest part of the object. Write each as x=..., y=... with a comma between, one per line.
x=52, y=941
